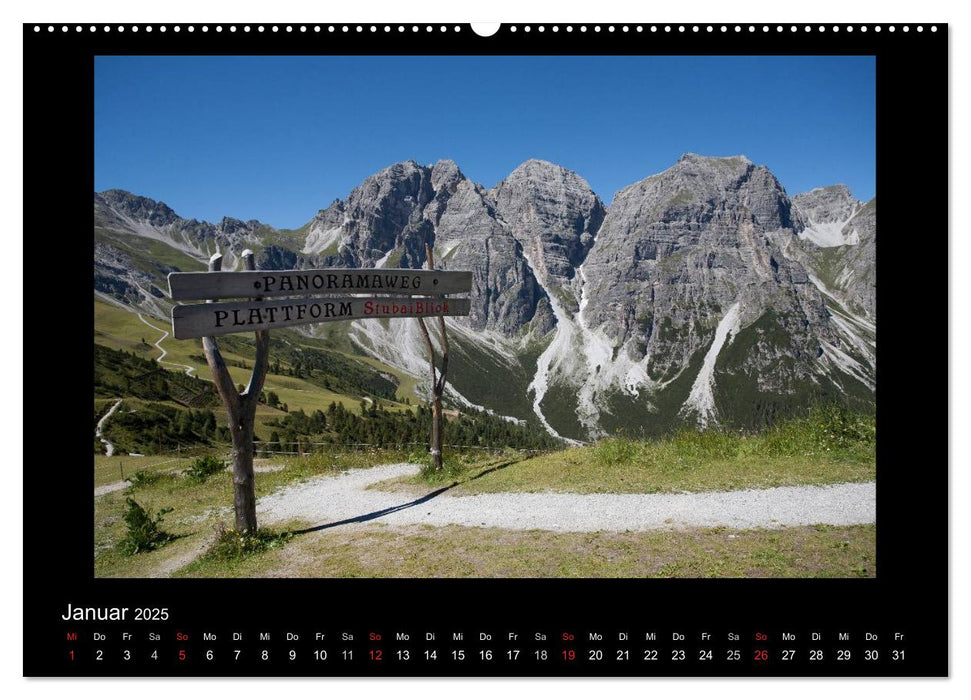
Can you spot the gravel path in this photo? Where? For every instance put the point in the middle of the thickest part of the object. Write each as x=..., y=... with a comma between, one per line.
x=109, y=448
x=108, y=488
x=158, y=343
x=338, y=500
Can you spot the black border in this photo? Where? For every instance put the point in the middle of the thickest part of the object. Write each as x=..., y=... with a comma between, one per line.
x=910, y=591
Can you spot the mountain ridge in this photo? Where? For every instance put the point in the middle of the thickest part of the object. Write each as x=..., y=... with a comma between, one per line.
x=611, y=316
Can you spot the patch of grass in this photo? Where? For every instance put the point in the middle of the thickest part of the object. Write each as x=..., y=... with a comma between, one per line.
x=377, y=551
x=108, y=470
x=293, y=239
x=394, y=260
x=201, y=469
x=486, y=378
x=831, y=445
x=827, y=430
x=233, y=544
x=615, y=451
x=680, y=198
x=741, y=400
x=456, y=466
x=626, y=413
x=151, y=256
x=198, y=508
x=332, y=249
x=143, y=478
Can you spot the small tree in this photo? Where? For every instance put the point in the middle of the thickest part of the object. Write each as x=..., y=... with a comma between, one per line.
x=143, y=532
x=204, y=467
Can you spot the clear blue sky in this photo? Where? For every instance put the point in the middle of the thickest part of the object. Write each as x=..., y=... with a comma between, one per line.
x=277, y=138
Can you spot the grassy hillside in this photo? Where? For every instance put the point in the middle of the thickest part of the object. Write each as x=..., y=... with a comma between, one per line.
x=118, y=373
x=325, y=377
x=162, y=427
x=149, y=255
x=349, y=398
x=109, y=470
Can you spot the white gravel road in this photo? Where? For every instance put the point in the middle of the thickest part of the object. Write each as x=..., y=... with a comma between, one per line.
x=109, y=488
x=336, y=500
x=158, y=343
x=109, y=448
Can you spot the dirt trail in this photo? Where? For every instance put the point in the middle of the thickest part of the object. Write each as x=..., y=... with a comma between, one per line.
x=344, y=499
x=158, y=343
x=109, y=448
x=166, y=568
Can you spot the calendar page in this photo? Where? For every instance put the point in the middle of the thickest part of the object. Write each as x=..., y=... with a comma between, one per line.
x=443, y=350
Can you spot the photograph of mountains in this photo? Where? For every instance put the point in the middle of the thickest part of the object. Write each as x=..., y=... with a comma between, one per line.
x=668, y=369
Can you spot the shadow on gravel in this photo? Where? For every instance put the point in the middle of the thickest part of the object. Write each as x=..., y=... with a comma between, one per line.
x=376, y=514
x=495, y=468
x=411, y=504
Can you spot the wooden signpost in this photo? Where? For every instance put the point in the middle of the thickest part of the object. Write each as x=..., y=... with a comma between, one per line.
x=307, y=296
x=202, y=320
x=274, y=283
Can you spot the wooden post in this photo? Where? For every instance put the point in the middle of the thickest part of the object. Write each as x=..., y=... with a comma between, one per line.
x=438, y=383
x=242, y=411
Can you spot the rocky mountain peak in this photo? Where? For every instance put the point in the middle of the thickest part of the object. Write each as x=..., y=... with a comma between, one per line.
x=231, y=225
x=683, y=245
x=825, y=213
x=121, y=211
x=535, y=167
x=136, y=207
x=700, y=189
x=711, y=173
x=827, y=205
x=445, y=175
x=738, y=160
x=374, y=218
x=555, y=216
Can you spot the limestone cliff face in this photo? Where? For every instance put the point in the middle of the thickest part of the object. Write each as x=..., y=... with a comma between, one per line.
x=391, y=216
x=381, y=214
x=858, y=275
x=555, y=216
x=838, y=245
x=826, y=205
x=678, y=249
